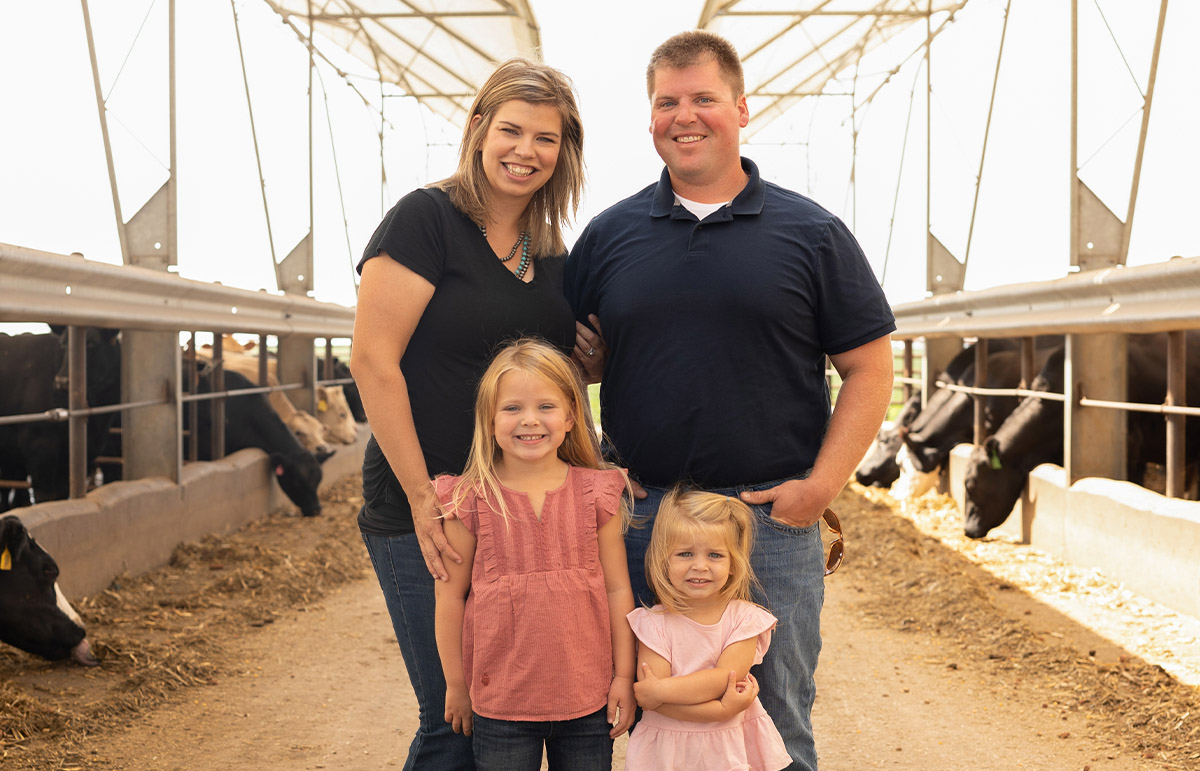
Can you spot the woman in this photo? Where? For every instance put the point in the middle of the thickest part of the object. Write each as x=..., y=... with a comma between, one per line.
x=453, y=271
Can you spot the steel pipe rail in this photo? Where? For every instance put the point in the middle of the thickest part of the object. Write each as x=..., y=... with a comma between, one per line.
x=1158, y=409
x=980, y=391
x=55, y=288
x=1142, y=299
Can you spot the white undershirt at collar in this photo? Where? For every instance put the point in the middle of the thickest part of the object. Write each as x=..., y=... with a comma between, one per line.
x=701, y=210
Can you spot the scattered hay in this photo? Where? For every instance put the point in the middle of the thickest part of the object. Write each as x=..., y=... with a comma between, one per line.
x=915, y=582
x=165, y=632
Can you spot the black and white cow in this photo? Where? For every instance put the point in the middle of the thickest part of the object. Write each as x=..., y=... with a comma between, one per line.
x=250, y=422
x=1033, y=434
x=35, y=367
x=949, y=417
x=878, y=467
x=34, y=614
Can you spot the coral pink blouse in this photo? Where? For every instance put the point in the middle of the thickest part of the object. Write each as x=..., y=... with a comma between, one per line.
x=536, y=641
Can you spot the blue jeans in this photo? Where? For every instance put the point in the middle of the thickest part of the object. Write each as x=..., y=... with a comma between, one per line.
x=581, y=744
x=790, y=565
x=408, y=591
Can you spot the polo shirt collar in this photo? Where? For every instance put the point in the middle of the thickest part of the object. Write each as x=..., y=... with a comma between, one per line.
x=748, y=201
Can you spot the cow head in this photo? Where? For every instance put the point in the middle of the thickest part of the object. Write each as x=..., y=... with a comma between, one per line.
x=34, y=616
x=879, y=467
x=103, y=364
x=334, y=414
x=299, y=475
x=992, y=488
x=309, y=431
x=341, y=371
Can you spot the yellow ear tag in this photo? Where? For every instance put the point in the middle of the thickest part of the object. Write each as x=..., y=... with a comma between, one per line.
x=5, y=560
x=322, y=405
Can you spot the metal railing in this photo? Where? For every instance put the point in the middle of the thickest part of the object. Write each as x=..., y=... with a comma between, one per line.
x=72, y=291
x=1121, y=300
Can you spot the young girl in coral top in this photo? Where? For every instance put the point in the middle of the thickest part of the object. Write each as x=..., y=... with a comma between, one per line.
x=695, y=648
x=531, y=627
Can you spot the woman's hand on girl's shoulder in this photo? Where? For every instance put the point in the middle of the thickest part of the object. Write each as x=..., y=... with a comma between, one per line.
x=427, y=523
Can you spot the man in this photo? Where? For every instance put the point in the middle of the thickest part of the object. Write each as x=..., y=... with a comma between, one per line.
x=720, y=296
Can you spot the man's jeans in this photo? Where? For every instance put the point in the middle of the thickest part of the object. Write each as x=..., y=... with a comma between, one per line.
x=408, y=591
x=790, y=565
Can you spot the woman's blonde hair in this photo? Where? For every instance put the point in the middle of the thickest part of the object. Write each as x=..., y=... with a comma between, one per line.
x=684, y=513
x=581, y=447
x=557, y=201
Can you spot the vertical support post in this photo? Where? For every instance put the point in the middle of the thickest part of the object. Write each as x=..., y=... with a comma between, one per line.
x=929, y=270
x=151, y=436
x=172, y=236
x=938, y=353
x=192, y=374
x=263, y=355
x=77, y=400
x=297, y=363
x=108, y=155
x=1127, y=231
x=1028, y=361
x=217, y=408
x=327, y=366
x=312, y=65
x=981, y=380
x=1176, y=397
x=1073, y=154
x=908, y=368
x=1094, y=439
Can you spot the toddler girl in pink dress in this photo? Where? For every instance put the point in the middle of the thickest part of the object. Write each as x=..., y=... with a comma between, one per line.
x=695, y=648
x=531, y=627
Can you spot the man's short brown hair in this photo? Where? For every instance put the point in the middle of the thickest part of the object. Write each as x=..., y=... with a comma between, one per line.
x=690, y=47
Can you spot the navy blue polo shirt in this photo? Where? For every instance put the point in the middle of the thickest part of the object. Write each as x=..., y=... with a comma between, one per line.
x=718, y=329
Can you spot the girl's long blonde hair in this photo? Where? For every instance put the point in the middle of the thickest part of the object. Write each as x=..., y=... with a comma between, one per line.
x=580, y=447
x=686, y=512
x=557, y=201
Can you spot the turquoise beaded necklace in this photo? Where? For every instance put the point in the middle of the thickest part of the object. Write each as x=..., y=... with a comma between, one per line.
x=523, y=242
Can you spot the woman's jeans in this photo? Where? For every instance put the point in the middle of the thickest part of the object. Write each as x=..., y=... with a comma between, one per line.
x=790, y=565
x=408, y=591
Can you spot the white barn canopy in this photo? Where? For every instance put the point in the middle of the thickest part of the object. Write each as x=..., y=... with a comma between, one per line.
x=438, y=51
x=792, y=49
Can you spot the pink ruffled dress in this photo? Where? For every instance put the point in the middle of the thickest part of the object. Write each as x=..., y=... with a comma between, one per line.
x=745, y=742
x=536, y=642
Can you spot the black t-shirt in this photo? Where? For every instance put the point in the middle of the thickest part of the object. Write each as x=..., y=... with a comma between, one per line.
x=476, y=307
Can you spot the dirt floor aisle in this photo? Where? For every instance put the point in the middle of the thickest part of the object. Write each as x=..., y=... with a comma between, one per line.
x=325, y=690
x=270, y=648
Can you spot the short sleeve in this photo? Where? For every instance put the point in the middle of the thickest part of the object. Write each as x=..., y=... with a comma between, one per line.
x=444, y=487
x=746, y=620
x=608, y=486
x=412, y=234
x=853, y=309
x=650, y=629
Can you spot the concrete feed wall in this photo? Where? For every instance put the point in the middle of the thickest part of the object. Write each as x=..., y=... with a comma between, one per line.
x=133, y=527
x=1146, y=541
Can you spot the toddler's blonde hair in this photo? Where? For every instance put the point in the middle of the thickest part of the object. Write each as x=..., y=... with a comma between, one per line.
x=684, y=513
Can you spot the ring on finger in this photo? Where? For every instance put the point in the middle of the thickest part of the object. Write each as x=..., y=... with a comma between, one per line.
x=591, y=352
